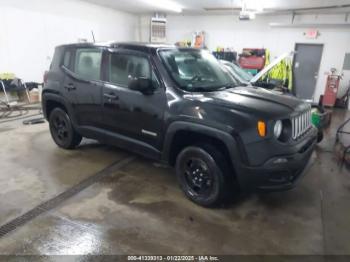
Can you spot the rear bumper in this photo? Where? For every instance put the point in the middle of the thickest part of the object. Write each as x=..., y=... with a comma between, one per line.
x=278, y=173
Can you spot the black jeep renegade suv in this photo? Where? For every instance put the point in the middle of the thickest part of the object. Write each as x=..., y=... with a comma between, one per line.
x=179, y=106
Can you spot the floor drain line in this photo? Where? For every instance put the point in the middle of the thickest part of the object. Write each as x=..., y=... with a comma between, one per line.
x=56, y=201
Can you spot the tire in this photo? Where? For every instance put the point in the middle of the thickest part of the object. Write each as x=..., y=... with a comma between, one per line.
x=204, y=162
x=62, y=130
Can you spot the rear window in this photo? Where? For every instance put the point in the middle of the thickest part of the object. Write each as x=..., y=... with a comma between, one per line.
x=88, y=63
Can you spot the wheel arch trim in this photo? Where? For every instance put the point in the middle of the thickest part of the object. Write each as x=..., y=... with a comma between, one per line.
x=225, y=137
x=47, y=97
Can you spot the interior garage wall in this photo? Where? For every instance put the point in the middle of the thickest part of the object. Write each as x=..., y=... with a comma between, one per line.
x=30, y=30
x=228, y=31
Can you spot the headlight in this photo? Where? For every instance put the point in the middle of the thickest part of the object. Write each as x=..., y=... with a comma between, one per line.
x=277, y=130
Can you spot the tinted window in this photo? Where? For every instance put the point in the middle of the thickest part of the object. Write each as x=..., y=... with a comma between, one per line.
x=56, y=61
x=88, y=63
x=124, y=68
x=66, y=58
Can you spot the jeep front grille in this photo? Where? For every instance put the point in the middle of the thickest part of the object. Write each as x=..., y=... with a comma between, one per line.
x=301, y=124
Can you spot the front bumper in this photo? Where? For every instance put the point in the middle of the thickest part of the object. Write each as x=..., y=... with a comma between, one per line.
x=278, y=173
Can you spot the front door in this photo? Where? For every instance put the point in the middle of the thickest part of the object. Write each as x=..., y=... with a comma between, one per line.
x=127, y=112
x=306, y=67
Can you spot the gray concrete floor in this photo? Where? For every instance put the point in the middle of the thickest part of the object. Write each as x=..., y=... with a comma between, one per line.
x=140, y=209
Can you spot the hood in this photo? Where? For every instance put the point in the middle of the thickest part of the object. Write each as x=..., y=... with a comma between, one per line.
x=256, y=100
x=270, y=66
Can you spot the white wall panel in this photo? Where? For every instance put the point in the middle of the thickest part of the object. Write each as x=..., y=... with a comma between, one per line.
x=30, y=30
x=228, y=31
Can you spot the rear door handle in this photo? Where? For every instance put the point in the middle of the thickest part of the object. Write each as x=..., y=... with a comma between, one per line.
x=70, y=87
x=111, y=96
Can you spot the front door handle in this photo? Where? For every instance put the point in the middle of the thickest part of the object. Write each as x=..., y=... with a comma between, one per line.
x=70, y=86
x=111, y=96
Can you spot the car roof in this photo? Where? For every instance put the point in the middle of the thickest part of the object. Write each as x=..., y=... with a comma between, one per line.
x=132, y=45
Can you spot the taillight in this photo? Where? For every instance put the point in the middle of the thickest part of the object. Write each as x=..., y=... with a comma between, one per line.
x=45, y=76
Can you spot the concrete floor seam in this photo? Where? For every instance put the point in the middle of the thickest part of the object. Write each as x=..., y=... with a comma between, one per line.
x=57, y=200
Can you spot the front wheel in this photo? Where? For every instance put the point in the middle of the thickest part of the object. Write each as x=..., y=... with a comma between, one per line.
x=203, y=174
x=62, y=130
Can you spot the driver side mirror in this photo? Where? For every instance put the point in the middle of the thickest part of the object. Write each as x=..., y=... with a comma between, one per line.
x=143, y=85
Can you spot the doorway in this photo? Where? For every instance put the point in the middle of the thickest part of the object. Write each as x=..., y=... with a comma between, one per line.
x=306, y=68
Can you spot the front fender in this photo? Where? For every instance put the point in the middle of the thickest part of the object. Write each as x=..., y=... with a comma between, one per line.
x=228, y=137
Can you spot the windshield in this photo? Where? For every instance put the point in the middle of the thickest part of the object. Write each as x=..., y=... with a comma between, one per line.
x=197, y=70
x=240, y=72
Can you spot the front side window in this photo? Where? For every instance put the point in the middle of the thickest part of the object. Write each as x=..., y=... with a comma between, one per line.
x=196, y=70
x=124, y=68
x=88, y=63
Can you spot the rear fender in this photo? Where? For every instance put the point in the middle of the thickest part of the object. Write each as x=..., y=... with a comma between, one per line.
x=48, y=97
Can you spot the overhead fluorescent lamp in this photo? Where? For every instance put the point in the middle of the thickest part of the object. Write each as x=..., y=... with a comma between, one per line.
x=165, y=5
x=245, y=16
x=256, y=5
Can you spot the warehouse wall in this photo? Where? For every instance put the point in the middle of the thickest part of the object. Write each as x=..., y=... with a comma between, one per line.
x=228, y=31
x=30, y=29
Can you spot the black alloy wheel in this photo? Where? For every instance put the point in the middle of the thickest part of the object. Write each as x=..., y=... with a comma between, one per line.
x=198, y=176
x=204, y=175
x=62, y=130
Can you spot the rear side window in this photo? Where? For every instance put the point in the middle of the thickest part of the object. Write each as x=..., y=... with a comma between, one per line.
x=88, y=63
x=56, y=61
x=66, y=58
x=123, y=68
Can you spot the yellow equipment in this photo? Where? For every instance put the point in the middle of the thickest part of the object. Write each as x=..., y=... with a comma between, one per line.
x=283, y=71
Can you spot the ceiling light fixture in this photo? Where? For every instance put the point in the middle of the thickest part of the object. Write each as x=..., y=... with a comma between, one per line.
x=165, y=5
x=246, y=15
x=256, y=5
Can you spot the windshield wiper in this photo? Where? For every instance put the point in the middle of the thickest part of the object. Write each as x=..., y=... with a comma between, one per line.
x=200, y=89
x=228, y=86
x=201, y=78
x=208, y=89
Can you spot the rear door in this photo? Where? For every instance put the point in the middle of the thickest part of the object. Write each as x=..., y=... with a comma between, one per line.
x=83, y=85
x=128, y=112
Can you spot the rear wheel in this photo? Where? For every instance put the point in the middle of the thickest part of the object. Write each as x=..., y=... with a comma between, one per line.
x=62, y=130
x=204, y=175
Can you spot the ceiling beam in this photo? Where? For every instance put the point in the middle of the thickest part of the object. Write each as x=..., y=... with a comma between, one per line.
x=283, y=10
